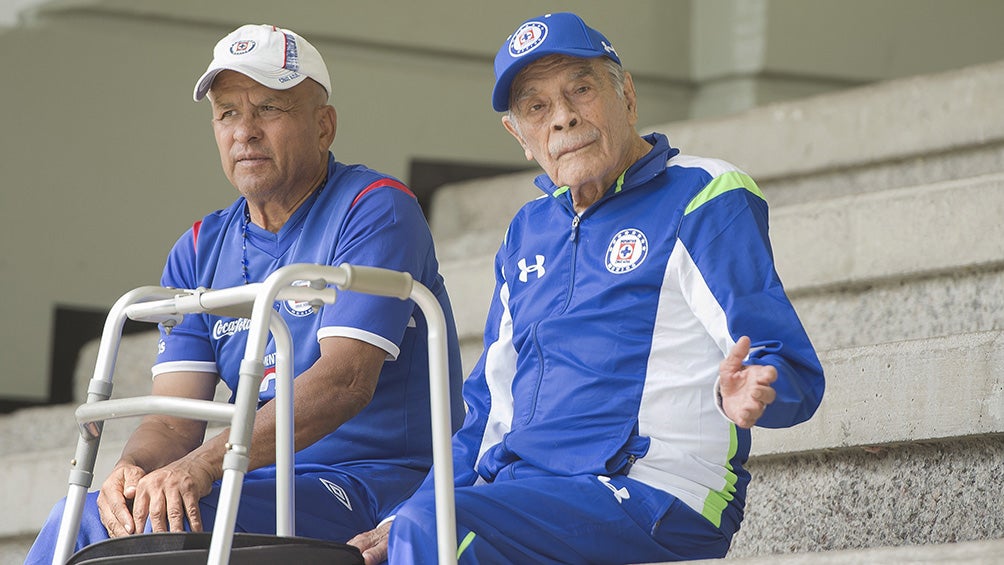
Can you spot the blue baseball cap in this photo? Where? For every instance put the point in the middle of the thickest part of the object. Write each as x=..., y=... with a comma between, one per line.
x=552, y=34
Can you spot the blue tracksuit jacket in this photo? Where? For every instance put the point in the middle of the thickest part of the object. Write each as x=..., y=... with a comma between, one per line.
x=606, y=330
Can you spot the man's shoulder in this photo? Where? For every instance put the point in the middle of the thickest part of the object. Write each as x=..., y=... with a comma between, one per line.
x=541, y=205
x=215, y=221
x=355, y=181
x=709, y=167
x=357, y=174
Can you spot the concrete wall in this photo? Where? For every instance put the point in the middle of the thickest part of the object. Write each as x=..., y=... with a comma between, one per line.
x=106, y=159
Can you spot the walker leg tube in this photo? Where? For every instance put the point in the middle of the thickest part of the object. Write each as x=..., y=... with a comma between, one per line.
x=285, y=503
x=81, y=477
x=439, y=390
x=226, y=517
x=235, y=462
x=69, y=526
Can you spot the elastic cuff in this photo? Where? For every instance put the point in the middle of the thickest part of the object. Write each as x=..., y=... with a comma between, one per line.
x=718, y=400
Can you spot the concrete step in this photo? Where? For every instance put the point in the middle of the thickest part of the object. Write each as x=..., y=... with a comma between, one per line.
x=983, y=552
x=904, y=450
x=907, y=132
x=901, y=233
x=909, y=494
x=13, y=550
x=902, y=392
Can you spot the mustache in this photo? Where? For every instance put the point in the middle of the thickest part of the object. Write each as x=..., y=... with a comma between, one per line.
x=564, y=145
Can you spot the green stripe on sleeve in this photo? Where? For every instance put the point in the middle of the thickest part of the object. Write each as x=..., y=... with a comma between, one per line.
x=465, y=543
x=721, y=184
x=717, y=501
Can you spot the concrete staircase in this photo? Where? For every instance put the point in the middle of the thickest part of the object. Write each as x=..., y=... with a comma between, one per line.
x=887, y=209
x=887, y=204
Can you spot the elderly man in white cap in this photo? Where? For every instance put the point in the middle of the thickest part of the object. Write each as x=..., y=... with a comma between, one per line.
x=363, y=433
x=637, y=331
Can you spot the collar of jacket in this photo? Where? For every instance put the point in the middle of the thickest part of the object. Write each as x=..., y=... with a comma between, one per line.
x=643, y=170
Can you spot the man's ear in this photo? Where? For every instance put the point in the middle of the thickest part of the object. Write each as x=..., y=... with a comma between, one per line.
x=631, y=98
x=328, y=119
x=511, y=128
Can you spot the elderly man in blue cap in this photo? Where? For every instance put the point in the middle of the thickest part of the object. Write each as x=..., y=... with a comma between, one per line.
x=638, y=329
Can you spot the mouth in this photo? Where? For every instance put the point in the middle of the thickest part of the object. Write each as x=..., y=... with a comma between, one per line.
x=568, y=147
x=250, y=159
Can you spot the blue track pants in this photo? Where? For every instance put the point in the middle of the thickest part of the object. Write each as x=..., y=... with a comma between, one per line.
x=559, y=520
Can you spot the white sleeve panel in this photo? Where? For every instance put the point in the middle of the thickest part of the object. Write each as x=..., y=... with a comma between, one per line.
x=500, y=370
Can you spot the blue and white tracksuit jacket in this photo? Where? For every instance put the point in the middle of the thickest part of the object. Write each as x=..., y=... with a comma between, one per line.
x=606, y=330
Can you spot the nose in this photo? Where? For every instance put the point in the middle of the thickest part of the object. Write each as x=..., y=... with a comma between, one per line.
x=565, y=116
x=247, y=128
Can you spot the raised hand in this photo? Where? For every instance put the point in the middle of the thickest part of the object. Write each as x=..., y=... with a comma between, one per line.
x=746, y=389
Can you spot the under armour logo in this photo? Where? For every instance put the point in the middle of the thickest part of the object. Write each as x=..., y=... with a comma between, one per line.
x=524, y=270
x=622, y=493
x=338, y=493
x=608, y=48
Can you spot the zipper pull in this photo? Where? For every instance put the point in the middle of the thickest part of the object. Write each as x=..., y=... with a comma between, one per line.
x=575, y=228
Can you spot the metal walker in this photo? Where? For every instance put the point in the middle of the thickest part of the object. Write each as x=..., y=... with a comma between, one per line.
x=254, y=301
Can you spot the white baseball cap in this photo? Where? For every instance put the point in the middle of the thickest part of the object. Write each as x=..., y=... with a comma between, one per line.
x=275, y=57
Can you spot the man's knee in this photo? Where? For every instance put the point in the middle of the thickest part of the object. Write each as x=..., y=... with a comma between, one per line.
x=412, y=535
x=418, y=513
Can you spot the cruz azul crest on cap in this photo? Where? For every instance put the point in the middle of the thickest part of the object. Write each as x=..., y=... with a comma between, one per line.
x=528, y=37
x=626, y=251
x=242, y=46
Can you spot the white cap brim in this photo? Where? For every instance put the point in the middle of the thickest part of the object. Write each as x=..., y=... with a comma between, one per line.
x=275, y=80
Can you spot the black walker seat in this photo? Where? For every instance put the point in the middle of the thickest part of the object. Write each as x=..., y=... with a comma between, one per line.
x=192, y=548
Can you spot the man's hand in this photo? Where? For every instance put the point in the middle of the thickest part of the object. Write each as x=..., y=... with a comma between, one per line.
x=115, y=499
x=170, y=495
x=746, y=390
x=373, y=544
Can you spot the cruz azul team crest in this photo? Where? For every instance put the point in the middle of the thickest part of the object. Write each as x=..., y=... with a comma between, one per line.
x=627, y=250
x=528, y=37
x=242, y=47
x=297, y=308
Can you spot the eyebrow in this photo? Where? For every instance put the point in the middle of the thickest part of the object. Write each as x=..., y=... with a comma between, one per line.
x=580, y=70
x=584, y=71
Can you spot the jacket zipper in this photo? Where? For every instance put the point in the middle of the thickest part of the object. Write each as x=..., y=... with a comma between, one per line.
x=573, y=237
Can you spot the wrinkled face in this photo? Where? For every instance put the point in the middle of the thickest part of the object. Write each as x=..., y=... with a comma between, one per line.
x=569, y=117
x=271, y=142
